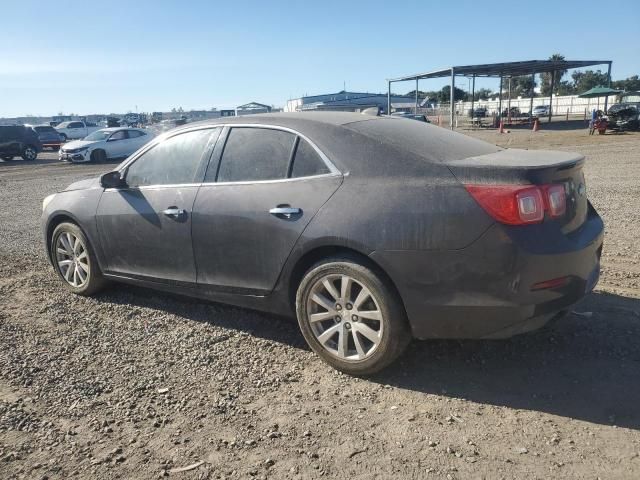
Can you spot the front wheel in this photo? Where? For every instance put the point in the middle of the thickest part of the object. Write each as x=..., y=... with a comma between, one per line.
x=75, y=261
x=98, y=156
x=63, y=137
x=351, y=316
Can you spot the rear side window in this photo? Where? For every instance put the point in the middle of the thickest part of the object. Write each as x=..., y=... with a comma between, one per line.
x=119, y=135
x=255, y=154
x=307, y=161
x=75, y=125
x=135, y=133
x=11, y=132
x=174, y=161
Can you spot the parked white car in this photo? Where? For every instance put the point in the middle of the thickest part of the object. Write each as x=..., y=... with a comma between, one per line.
x=105, y=144
x=75, y=129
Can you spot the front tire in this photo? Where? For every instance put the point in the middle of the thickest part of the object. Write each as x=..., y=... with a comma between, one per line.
x=98, y=156
x=74, y=260
x=351, y=316
x=63, y=137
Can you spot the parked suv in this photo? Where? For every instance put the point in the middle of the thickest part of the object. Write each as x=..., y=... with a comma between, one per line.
x=18, y=140
x=49, y=136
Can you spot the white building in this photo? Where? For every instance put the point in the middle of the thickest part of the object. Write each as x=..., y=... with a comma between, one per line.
x=350, y=101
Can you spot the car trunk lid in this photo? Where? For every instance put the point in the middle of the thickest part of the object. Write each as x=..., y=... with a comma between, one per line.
x=531, y=167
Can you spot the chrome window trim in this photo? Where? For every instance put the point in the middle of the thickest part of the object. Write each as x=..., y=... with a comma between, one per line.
x=161, y=138
x=223, y=184
x=276, y=180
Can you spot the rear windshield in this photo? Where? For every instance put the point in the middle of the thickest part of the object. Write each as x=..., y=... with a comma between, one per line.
x=435, y=144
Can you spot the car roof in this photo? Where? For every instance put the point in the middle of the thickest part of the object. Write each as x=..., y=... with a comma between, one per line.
x=366, y=144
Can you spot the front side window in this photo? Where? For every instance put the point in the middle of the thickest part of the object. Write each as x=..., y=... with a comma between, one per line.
x=98, y=135
x=75, y=125
x=173, y=161
x=307, y=161
x=255, y=154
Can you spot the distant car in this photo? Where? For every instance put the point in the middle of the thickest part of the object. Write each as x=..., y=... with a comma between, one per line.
x=478, y=112
x=76, y=129
x=624, y=116
x=541, y=111
x=105, y=144
x=49, y=136
x=412, y=116
x=19, y=141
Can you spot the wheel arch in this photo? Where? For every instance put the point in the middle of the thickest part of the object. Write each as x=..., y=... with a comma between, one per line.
x=316, y=254
x=56, y=220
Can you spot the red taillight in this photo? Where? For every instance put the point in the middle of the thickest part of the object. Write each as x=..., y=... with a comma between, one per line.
x=520, y=205
x=556, y=200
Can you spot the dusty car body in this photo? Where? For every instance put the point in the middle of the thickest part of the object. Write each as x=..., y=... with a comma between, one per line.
x=408, y=210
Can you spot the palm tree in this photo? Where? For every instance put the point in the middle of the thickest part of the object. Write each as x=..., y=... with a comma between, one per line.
x=545, y=83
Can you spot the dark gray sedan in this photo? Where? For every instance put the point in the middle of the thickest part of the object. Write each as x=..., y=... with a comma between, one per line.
x=371, y=230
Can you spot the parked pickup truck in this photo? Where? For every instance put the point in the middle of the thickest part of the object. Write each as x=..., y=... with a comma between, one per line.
x=76, y=130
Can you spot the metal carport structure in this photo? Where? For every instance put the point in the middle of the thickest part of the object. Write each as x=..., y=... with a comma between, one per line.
x=498, y=70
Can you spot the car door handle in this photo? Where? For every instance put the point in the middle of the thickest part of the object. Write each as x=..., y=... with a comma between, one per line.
x=174, y=212
x=286, y=212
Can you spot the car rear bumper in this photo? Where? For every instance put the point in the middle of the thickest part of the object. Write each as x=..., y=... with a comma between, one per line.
x=485, y=290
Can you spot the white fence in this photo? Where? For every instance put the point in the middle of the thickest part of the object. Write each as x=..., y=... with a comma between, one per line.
x=561, y=104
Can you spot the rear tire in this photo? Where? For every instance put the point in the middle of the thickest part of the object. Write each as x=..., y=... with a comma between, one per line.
x=29, y=153
x=74, y=260
x=98, y=156
x=358, y=329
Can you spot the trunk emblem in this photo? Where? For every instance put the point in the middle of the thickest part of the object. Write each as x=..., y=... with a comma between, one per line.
x=582, y=189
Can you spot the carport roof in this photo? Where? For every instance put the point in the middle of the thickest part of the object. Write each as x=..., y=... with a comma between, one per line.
x=505, y=69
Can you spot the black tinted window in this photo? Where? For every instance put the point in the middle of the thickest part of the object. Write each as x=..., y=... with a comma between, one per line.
x=11, y=133
x=135, y=133
x=255, y=154
x=307, y=162
x=43, y=129
x=75, y=125
x=173, y=161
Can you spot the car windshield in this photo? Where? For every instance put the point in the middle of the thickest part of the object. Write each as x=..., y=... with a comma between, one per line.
x=98, y=135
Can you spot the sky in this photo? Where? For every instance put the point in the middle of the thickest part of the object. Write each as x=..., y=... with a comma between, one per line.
x=118, y=56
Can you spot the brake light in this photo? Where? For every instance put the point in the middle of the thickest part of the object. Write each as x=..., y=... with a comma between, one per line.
x=520, y=205
x=556, y=199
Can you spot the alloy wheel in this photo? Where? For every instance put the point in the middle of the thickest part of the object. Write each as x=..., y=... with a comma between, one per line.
x=345, y=317
x=72, y=259
x=30, y=153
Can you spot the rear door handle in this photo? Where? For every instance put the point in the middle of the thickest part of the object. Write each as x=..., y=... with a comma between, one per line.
x=174, y=212
x=285, y=212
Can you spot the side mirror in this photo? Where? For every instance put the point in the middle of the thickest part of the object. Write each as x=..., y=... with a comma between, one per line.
x=112, y=180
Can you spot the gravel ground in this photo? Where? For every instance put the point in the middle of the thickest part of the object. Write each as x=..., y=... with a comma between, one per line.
x=136, y=384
